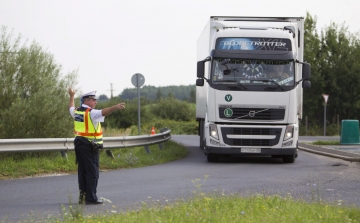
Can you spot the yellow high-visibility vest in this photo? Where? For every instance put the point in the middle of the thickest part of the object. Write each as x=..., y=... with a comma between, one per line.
x=83, y=126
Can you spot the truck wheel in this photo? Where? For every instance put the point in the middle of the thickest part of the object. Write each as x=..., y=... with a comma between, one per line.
x=213, y=158
x=288, y=158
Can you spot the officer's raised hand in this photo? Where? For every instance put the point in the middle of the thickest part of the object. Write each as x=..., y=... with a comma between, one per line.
x=71, y=92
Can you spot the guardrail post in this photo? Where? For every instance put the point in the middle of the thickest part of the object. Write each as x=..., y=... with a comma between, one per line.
x=64, y=154
x=147, y=149
x=162, y=130
x=109, y=153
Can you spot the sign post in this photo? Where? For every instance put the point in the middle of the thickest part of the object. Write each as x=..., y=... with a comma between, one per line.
x=326, y=97
x=138, y=80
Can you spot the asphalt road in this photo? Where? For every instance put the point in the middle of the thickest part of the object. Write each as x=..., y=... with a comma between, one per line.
x=312, y=177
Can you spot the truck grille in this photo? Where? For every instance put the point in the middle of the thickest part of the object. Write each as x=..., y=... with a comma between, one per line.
x=253, y=113
x=251, y=131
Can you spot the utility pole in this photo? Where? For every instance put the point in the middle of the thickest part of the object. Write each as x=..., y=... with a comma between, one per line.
x=111, y=90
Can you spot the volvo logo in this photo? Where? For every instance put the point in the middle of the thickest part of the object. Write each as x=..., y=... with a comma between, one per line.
x=252, y=114
x=228, y=97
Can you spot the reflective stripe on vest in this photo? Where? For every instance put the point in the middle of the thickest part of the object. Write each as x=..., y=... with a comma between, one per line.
x=83, y=126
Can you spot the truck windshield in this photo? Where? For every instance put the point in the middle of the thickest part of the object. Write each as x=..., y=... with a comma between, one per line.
x=252, y=72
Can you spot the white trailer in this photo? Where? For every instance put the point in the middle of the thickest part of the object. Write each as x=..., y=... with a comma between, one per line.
x=249, y=89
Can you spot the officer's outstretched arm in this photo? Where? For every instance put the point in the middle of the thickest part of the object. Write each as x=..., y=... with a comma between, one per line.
x=109, y=110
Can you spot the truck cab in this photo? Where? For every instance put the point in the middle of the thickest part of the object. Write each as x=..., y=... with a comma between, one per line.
x=249, y=89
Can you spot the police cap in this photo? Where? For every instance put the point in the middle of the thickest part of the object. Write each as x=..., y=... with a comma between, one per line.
x=91, y=94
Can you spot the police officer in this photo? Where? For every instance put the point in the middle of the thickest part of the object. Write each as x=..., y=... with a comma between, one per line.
x=88, y=141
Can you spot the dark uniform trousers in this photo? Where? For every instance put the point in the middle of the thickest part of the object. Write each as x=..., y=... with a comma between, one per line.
x=88, y=169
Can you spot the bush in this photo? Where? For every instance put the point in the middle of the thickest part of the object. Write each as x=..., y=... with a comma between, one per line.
x=176, y=127
x=332, y=130
x=179, y=116
x=125, y=118
x=173, y=109
x=33, y=94
x=313, y=130
x=318, y=130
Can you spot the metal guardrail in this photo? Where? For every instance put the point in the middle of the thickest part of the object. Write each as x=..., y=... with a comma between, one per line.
x=66, y=144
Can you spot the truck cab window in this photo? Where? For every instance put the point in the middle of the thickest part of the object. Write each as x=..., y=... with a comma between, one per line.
x=253, y=72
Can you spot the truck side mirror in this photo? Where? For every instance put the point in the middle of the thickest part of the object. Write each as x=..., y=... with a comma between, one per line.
x=201, y=67
x=200, y=82
x=306, y=71
x=306, y=84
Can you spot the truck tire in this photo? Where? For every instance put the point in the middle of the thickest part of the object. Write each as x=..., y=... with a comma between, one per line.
x=288, y=158
x=213, y=158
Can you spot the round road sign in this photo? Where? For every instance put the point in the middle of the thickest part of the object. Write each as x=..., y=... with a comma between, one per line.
x=138, y=80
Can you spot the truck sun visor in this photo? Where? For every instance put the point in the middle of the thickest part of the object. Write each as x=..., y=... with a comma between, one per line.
x=271, y=44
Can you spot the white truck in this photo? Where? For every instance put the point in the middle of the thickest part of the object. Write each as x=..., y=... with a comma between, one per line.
x=249, y=89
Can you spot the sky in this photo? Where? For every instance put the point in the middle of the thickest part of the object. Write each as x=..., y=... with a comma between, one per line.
x=109, y=41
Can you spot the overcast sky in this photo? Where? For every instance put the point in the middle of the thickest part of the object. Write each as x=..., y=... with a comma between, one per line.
x=109, y=41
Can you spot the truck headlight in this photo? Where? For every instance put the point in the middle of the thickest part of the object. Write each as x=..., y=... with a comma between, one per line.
x=288, y=132
x=214, y=132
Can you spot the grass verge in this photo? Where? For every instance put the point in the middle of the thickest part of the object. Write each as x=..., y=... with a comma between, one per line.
x=320, y=142
x=32, y=164
x=232, y=208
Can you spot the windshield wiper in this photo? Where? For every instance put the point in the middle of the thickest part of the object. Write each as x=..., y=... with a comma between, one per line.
x=277, y=84
x=237, y=83
x=240, y=84
x=272, y=81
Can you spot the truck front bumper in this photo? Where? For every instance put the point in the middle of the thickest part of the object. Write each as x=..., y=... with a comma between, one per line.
x=263, y=151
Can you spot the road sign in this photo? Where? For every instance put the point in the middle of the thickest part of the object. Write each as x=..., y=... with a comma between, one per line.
x=138, y=80
x=326, y=97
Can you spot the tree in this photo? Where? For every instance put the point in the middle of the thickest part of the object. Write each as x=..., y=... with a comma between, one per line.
x=340, y=70
x=313, y=55
x=103, y=97
x=335, y=70
x=158, y=94
x=33, y=92
x=153, y=93
x=192, y=97
x=125, y=118
x=173, y=109
x=170, y=96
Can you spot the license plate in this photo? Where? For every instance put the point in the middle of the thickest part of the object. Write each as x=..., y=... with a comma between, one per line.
x=246, y=150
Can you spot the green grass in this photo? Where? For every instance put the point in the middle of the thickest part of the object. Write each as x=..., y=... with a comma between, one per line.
x=225, y=208
x=32, y=164
x=320, y=142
